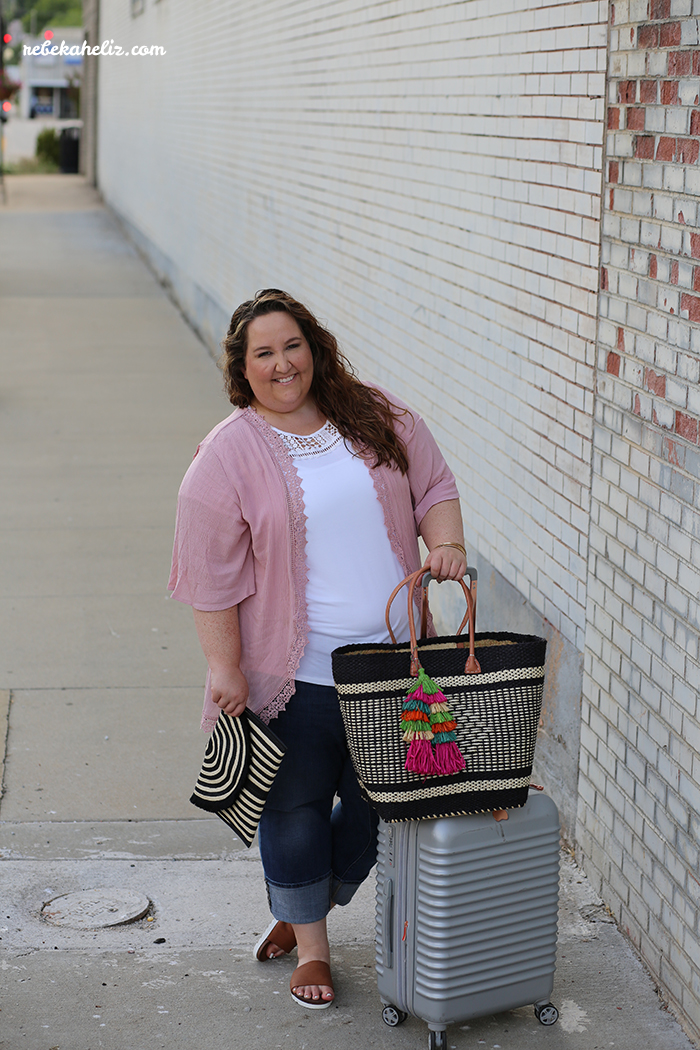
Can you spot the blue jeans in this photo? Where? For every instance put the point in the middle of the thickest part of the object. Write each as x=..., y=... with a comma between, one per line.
x=314, y=854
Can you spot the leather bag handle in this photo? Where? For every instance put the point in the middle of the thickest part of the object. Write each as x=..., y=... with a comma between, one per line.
x=427, y=579
x=472, y=664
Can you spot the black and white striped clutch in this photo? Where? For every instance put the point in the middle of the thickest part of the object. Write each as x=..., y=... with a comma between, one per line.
x=240, y=764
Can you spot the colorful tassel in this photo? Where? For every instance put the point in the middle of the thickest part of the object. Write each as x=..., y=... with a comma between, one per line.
x=421, y=758
x=426, y=720
x=448, y=758
x=416, y=730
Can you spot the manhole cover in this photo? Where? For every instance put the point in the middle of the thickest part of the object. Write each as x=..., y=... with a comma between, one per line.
x=93, y=909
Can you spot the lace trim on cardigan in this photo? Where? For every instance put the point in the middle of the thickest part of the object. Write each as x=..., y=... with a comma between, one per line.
x=297, y=521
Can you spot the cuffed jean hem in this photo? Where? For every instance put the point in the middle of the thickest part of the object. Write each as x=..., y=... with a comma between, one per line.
x=343, y=892
x=300, y=904
x=311, y=902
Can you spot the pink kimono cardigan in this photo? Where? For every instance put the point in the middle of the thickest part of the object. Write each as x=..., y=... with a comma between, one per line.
x=240, y=540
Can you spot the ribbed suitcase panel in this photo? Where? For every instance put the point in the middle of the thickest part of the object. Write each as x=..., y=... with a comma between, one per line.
x=469, y=913
x=382, y=937
x=486, y=916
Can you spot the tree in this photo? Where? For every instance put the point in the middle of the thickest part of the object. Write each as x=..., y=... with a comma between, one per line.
x=14, y=8
x=36, y=16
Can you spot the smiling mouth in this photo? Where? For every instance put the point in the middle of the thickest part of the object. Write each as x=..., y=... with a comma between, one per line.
x=287, y=379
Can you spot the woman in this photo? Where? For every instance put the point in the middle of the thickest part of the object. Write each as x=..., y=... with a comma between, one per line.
x=297, y=517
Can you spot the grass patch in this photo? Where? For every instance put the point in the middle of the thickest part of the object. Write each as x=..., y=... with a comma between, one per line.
x=32, y=166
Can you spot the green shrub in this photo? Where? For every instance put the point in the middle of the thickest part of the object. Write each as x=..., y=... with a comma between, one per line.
x=47, y=146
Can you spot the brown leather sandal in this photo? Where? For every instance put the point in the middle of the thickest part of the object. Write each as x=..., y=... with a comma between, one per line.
x=314, y=972
x=279, y=933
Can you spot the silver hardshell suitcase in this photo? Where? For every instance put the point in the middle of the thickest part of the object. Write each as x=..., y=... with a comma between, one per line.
x=466, y=920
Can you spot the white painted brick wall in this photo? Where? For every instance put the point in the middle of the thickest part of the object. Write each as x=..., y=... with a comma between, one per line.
x=426, y=175
x=640, y=751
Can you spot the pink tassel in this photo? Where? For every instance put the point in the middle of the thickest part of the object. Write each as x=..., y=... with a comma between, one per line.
x=419, y=694
x=448, y=759
x=420, y=758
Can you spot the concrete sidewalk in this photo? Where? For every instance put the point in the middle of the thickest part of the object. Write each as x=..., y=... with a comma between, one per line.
x=104, y=394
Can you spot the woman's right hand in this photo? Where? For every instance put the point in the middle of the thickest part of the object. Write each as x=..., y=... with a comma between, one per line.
x=220, y=638
x=229, y=690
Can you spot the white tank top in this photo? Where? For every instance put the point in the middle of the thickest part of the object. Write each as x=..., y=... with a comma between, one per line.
x=352, y=569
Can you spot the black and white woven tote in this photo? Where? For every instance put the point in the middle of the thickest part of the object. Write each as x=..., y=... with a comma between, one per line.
x=240, y=764
x=496, y=709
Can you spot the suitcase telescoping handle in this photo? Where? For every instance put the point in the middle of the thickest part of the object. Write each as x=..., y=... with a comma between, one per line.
x=428, y=579
x=472, y=664
x=388, y=923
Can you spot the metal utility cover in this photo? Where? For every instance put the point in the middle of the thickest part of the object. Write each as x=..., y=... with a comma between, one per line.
x=95, y=909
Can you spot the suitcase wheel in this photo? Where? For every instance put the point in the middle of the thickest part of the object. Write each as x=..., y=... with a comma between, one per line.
x=437, y=1040
x=547, y=1014
x=392, y=1016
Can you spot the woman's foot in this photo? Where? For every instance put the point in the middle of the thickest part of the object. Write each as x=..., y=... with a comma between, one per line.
x=312, y=986
x=278, y=939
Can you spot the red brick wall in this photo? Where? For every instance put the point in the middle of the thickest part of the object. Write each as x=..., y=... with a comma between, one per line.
x=640, y=739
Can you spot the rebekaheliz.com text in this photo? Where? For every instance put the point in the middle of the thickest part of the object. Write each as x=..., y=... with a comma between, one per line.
x=107, y=47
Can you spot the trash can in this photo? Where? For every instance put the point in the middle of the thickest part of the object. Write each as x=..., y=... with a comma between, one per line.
x=69, y=150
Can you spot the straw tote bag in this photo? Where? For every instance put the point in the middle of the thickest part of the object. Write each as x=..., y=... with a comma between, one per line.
x=463, y=722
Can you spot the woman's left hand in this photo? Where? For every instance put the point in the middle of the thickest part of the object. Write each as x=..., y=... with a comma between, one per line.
x=446, y=563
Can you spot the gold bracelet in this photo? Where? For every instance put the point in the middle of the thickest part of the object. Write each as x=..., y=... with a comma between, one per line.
x=457, y=545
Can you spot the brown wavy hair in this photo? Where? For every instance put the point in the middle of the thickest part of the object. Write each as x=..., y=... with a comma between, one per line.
x=362, y=414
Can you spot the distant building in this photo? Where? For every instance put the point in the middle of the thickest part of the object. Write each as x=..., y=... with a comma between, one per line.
x=51, y=82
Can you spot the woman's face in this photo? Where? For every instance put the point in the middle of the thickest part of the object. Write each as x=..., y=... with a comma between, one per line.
x=278, y=363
